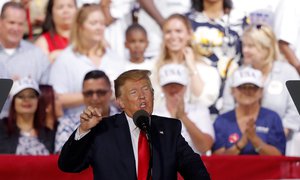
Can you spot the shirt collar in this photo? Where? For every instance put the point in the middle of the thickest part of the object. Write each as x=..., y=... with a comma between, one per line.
x=133, y=128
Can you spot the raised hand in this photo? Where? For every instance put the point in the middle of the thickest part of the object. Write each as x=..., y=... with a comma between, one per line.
x=89, y=118
x=189, y=58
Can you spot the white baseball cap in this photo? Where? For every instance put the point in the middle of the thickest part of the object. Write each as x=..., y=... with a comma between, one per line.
x=247, y=75
x=173, y=73
x=24, y=83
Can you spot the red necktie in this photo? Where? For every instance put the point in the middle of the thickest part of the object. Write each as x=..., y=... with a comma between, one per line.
x=143, y=157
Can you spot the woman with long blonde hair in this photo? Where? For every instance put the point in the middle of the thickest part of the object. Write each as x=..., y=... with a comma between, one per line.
x=87, y=51
x=204, y=81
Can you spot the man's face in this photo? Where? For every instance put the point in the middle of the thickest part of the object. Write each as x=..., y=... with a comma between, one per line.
x=12, y=27
x=97, y=93
x=136, y=95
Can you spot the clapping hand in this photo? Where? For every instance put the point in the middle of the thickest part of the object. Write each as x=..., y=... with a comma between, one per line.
x=250, y=129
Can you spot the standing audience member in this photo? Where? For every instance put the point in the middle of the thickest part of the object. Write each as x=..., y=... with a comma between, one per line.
x=152, y=15
x=136, y=42
x=97, y=93
x=35, y=16
x=88, y=51
x=118, y=17
x=287, y=30
x=20, y=58
x=217, y=34
x=249, y=128
x=260, y=50
x=23, y=131
x=204, y=80
x=112, y=144
x=51, y=104
x=57, y=27
x=197, y=127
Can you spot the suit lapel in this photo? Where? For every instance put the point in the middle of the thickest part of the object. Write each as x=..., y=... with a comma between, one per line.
x=156, y=133
x=123, y=139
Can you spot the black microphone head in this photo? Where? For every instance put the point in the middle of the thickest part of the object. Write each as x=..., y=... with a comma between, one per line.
x=141, y=119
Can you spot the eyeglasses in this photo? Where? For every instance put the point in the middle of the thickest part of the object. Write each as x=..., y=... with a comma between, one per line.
x=246, y=87
x=29, y=97
x=99, y=93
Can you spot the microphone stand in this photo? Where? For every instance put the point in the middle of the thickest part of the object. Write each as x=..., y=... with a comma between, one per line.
x=149, y=139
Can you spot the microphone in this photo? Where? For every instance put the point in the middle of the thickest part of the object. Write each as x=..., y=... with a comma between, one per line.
x=141, y=119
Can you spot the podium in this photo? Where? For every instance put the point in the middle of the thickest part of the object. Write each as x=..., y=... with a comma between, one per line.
x=5, y=86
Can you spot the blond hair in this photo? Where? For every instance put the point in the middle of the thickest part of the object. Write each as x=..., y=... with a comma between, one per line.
x=164, y=56
x=76, y=38
x=264, y=38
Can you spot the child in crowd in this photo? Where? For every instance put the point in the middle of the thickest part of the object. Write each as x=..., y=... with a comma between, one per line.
x=136, y=42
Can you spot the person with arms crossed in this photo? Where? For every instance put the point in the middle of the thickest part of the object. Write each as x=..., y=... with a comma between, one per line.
x=111, y=144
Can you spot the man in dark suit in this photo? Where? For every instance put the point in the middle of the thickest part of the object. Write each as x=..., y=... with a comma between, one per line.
x=110, y=145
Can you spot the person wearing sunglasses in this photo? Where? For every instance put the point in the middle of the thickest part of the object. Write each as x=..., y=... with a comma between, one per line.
x=97, y=93
x=249, y=128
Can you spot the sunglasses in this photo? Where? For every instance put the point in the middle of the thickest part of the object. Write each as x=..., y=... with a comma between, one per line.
x=99, y=93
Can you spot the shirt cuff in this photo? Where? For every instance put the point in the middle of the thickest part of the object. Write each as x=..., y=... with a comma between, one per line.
x=78, y=136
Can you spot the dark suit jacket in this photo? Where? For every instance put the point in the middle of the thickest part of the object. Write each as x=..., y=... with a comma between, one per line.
x=108, y=149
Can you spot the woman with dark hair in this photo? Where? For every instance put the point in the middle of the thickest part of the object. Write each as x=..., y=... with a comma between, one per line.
x=23, y=132
x=57, y=27
x=52, y=106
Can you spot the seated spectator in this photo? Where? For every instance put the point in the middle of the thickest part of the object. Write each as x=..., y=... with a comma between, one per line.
x=137, y=42
x=57, y=27
x=204, y=81
x=53, y=109
x=197, y=127
x=260, y=50
x=20, y=58
x=23, y=131
x=249, y=128
x=97, y=93
x=88, y=51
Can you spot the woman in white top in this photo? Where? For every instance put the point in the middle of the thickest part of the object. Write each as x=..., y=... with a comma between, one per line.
x=88, y=51
x=177, y=48
x=260, y=50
